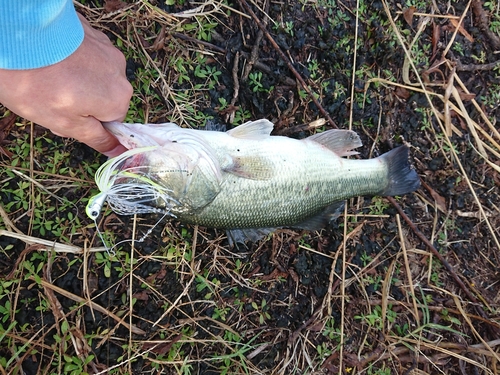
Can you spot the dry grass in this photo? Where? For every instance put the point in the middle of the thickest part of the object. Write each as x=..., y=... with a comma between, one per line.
x=218, y=310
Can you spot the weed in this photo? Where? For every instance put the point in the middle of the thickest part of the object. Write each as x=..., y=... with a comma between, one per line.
x=381, y=371
x=202, y=283
x=313, y=68
x=210, y=74
x=365, y=259
x=241, y=116
x=76, y=366
x=288, y=27
x=375, y=318
x=256, y=82
x=262, y=310
x=378, y=206
x=104, y=260
x=235, y=362
x=330, y=331
x=323, y=350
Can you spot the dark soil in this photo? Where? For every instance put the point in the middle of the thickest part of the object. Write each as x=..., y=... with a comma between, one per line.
x=284, y=293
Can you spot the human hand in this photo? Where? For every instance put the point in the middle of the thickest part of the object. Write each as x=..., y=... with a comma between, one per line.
x=72, y=97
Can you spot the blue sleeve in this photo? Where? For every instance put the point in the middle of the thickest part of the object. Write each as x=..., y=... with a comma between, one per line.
x=37, y=33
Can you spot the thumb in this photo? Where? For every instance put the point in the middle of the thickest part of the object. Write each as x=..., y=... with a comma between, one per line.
x=99, y=138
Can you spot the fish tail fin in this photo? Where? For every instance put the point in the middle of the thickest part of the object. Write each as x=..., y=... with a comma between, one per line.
x=403, y=179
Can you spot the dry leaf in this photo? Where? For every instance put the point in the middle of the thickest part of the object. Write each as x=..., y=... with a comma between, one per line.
x=464, y=95
x=6, y=152
x=160, y=348
x=141, y=296
x=436, y=34
x=408, y=14
x=461, y=30
x=402, y=93
x=440, y=201
x=113, y=5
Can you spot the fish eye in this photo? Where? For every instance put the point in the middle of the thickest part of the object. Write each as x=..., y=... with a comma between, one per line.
x=94, y=214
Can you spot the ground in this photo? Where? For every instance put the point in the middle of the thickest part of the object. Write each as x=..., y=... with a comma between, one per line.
x=395, y=286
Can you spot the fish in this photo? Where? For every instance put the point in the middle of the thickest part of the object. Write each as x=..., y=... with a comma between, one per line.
x=244, y=179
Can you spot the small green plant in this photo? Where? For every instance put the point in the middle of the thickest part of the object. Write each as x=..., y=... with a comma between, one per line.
x=103, y=258
x=241, y=116
x=375, y=318
x=223, y=104
x=202, y=283
x=220, y=313
x=381, y=371
x=323, y=350
x=330, y=331
x=365, y=258
x=401, y=330
x=378, y=206
x=313, y=68
x=202, y=28
x=262, y=310
x=445, y=315
x=374, y=282
x=209, y=73
x=256, y=82
x=76, y=366
x=288, y=27
x=235, y=362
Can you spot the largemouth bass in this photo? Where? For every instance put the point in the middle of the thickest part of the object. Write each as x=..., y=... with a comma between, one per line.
x=243, y=178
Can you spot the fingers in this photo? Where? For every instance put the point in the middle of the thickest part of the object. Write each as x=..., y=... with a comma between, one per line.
x=98, y=138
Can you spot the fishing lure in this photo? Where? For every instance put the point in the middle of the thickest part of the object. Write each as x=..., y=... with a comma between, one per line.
x=136, y=192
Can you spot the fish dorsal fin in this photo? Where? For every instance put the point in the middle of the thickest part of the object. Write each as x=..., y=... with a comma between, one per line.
x=253, y=130
x=342, y=142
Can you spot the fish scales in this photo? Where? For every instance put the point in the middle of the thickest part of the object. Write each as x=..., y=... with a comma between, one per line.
x=303, y=183
x=244, y=178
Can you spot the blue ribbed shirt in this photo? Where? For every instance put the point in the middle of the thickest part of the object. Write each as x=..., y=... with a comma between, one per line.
x=37, y=33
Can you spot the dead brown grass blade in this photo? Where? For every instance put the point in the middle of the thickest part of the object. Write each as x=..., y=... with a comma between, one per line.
x=49, y=245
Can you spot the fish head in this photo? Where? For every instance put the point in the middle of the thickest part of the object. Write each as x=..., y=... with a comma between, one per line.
x=176, y=176
x=140, y=135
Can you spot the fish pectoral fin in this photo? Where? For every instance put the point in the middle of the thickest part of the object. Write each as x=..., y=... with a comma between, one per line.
x=241, y=236
x=342, y=142
x=253, y=130
x=324, y=218
x=250, y=167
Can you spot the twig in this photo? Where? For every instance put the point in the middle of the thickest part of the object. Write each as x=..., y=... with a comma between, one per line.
x=254, y=55
x=482, y=21
x=300, y=128
x=475, y=67
x=201, y=42
x=236, y=87
x=288, y=63
x=81, y=347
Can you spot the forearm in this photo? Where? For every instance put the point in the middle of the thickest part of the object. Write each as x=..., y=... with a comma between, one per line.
x=37, y=33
